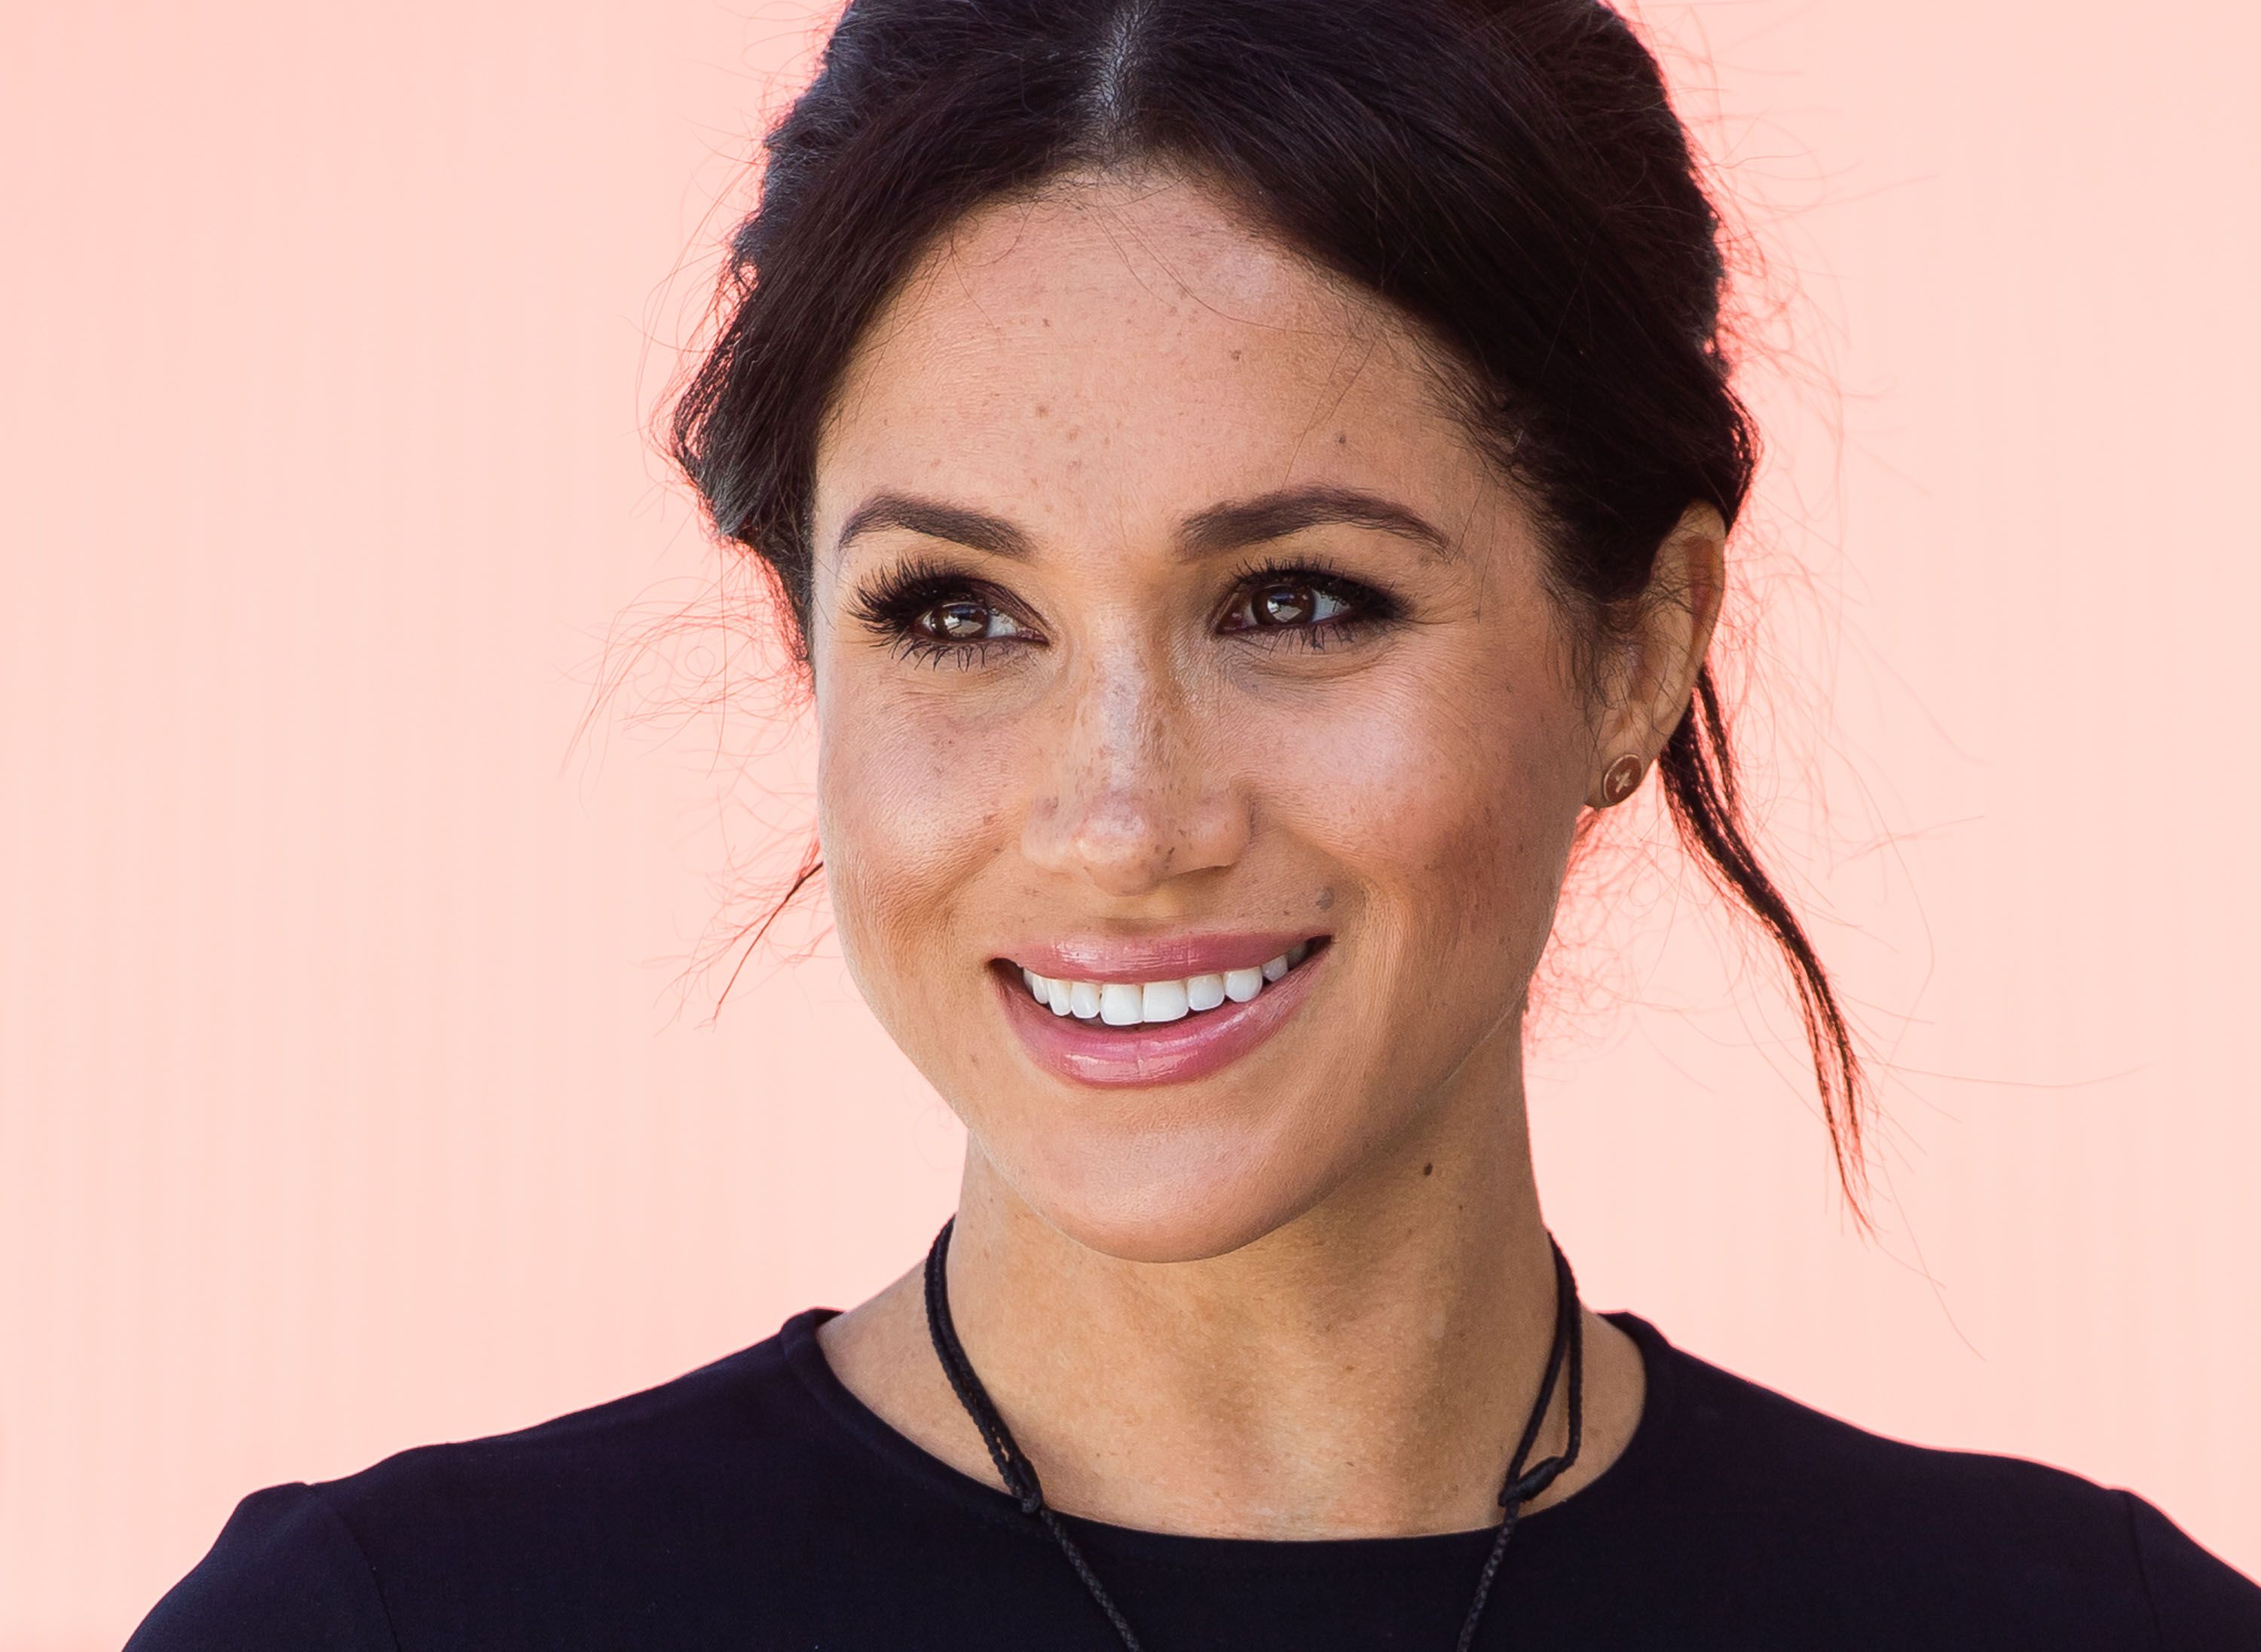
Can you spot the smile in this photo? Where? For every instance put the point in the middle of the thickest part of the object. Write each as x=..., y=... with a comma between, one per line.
x=1113, y=1016
x=1147, y=1003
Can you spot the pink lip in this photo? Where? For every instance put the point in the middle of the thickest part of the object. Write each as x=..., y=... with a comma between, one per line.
x=1154, y=957
x=1174, y=1052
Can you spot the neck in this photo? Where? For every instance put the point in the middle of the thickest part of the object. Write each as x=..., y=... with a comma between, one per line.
x=1363, y=1370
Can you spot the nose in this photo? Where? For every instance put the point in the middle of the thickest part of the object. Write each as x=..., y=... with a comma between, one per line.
x=1134, y=793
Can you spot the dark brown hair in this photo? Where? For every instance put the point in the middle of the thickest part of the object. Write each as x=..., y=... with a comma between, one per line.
x=1507, y=174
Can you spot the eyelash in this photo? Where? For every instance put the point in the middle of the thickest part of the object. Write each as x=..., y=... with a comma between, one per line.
x=891, y=607
x=1367, y=605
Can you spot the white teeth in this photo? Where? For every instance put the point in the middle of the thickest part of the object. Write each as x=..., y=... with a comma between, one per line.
x=1162, y=1001
x=1155, y=1002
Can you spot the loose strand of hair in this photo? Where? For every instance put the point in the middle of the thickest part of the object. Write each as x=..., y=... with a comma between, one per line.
x=1698, y=770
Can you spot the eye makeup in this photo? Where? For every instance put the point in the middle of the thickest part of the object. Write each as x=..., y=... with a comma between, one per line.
x=930, y=612
x=1302, y=602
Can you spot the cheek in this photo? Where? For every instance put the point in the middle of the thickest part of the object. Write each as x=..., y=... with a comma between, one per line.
x=911, y=804
x=1451, y=794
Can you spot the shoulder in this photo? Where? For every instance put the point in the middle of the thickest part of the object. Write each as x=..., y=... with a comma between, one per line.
x=365, y=1561
x=284, y=1572
x=1975, y=1537
x=665, y=1439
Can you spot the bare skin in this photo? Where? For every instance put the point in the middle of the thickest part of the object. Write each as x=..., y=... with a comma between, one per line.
x=1308, y=1293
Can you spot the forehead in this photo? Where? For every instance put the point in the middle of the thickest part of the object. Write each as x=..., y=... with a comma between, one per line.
x=1116, y=353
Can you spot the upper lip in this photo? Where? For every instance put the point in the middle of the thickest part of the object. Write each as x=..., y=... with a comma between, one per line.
x=1154, y=957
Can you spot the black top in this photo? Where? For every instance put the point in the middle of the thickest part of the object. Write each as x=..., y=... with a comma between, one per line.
x=756, y=1505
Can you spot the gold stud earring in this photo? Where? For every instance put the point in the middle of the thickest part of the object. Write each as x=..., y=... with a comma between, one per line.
x=1621, y=780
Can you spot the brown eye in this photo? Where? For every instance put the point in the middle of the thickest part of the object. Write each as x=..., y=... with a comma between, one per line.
x=1285, y=605
x=1281, y=605
x=963, y=620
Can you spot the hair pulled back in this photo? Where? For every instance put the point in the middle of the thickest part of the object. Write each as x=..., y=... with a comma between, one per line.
x=1508, y=174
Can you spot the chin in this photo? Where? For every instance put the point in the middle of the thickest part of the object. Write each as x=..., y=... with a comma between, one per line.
x=1172, y=1195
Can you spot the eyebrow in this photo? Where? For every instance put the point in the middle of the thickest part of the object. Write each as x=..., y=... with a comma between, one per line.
x=1275, y=515
x=1231, y=526
x=936, y=520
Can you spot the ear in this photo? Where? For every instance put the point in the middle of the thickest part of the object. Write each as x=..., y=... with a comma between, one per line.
x=1658, y=660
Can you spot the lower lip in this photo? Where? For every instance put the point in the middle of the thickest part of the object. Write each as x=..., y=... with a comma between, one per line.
x=1172, y=1052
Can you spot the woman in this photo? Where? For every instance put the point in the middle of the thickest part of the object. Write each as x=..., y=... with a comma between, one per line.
x=1249, y=481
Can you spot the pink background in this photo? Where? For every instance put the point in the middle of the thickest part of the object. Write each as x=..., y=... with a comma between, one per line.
x=345, y=1100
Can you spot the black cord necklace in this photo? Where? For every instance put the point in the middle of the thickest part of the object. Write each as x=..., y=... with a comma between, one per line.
x=1020, y=1474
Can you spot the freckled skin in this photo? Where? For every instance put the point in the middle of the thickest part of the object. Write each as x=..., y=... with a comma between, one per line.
x=1140, y=771
x=1096, y=366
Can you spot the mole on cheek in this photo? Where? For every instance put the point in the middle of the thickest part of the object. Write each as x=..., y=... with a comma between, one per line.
x=1324, y=900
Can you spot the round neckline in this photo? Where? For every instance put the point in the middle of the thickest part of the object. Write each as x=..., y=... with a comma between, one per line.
x=1570, y=1520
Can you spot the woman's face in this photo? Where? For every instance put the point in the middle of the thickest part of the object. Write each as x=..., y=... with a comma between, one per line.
x=1166, y=627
